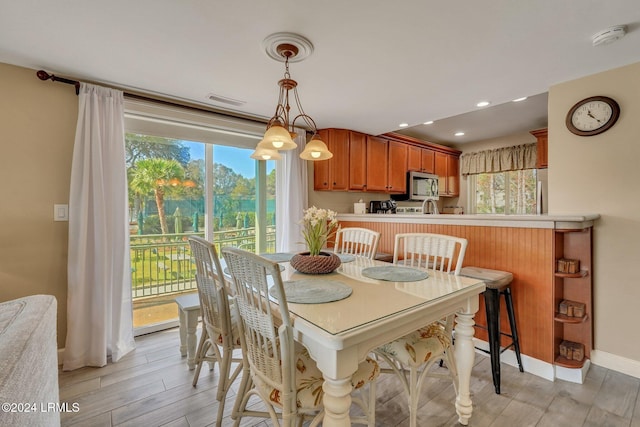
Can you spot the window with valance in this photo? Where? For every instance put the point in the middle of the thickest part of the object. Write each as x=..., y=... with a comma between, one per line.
x=501, y=180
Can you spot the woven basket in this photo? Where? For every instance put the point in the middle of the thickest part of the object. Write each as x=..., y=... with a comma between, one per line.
x=323, y=263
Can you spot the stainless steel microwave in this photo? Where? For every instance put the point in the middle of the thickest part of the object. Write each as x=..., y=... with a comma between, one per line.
x=420, y=186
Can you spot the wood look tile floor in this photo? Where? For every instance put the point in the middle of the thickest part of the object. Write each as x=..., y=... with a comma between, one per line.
x=152, y=387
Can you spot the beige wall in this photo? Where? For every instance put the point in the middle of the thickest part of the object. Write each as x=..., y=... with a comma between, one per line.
x=37, y=128
x=601, y=174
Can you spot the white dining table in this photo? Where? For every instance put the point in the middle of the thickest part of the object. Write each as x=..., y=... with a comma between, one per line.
x=340, y=334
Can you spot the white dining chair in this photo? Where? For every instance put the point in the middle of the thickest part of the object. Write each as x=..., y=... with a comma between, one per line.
x=220, y=336
x=412, y=356
x=282, y=373
x=357, y=241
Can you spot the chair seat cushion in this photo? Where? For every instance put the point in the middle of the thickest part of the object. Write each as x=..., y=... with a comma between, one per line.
x=309, y=380
x=418, y=347
x=234, y=328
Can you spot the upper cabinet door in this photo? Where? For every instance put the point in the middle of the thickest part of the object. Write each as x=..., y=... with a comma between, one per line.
x=453, y=175
x=441, y=171
x=339, y=163
x=428, y=161
x=333, y=174
x=397, y=175
x=377, y=164
x=357, y=161
x=414, y=161
x=542, y=149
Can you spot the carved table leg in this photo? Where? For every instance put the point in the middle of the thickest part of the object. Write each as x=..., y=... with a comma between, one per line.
x=465, y=354
x=337, y=402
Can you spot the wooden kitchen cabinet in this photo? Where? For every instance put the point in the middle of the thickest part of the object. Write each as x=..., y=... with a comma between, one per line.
x=386, y=165
x=542, y=160
x=574, y=245
x=420, y=159
x=447, y=168
x=357, y=161
x=333, y=174
x=377, y=164
x=414, y=159
x=397, y=167
x=453, y=175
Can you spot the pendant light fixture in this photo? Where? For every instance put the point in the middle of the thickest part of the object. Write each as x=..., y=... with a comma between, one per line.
x=288, y=47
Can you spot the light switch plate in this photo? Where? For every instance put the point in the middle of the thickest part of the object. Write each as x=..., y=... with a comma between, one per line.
x=61, y=212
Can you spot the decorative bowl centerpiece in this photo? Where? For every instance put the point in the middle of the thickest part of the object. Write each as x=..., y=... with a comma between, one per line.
x=318, y=225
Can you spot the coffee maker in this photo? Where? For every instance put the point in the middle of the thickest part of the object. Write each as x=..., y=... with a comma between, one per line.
x=382, y=207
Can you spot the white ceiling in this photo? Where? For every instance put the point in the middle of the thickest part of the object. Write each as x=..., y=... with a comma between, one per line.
x=375, y=64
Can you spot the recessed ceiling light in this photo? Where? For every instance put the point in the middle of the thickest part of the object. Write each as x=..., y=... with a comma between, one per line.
x=519, y=99
x=459, y=134
x=403, y=125
x=430, y=122
x=482, y=104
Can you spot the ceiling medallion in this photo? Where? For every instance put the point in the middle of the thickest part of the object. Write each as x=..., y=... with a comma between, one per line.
x=271, y=43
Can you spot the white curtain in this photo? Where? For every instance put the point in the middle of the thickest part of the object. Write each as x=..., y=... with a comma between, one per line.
x=99, y=317
x=291, y=197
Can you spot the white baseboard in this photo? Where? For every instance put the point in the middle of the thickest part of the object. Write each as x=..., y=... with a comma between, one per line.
x=550, y=372
x=574, y=375
x=60, y=355
x=616, y=363
x=529, y=364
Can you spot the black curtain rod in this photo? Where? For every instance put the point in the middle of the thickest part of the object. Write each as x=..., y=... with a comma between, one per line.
x=43, y=75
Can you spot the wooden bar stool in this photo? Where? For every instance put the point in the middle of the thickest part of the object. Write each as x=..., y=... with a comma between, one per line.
x=498, y=283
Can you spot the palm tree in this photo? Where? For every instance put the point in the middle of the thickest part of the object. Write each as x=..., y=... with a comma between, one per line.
x=156, y=175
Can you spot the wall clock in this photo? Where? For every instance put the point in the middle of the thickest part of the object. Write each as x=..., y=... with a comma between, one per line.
x=593, y=115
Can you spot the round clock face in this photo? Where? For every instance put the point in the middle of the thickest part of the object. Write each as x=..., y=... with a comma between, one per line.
x=592, y=116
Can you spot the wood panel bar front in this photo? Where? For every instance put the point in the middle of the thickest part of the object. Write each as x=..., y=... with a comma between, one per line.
x=525, y=252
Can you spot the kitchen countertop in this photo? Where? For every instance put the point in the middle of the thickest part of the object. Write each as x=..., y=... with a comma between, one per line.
x=553, y=221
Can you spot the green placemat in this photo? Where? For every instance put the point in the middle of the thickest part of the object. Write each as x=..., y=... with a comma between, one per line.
x=278, y=256
x=314, y=291
x=393, y=273
x=346, y=257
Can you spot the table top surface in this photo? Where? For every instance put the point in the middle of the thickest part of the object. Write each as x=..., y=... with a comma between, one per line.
x=372, y=299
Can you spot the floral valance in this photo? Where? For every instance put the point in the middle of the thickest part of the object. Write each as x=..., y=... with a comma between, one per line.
x=499, y=160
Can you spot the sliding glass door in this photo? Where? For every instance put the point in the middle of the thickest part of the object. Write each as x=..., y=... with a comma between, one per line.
x=180, y=187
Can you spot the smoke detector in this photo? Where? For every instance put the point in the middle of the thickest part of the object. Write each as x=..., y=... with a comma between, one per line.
x=609, y=35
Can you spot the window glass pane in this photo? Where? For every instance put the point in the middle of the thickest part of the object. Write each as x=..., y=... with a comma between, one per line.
x=522, y=191
x=490, y=193
x=512, y=192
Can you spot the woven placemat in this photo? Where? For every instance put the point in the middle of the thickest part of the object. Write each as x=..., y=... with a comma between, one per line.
x=394, y=273
x=278, y=256
x=346, y=257
x=314, y=291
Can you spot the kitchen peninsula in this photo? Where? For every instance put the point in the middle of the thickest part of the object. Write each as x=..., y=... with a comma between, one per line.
x=527, y=246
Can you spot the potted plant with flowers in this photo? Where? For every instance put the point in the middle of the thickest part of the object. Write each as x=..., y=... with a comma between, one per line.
x=318, y=225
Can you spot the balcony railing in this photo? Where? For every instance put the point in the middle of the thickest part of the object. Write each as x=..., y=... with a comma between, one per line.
x=161, y=263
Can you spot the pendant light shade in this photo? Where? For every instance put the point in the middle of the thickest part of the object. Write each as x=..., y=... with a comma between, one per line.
x=278, y=138
x=265, y=153
x=315, y=150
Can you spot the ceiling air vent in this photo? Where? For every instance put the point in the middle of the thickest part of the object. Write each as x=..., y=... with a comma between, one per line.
x=225, y=100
